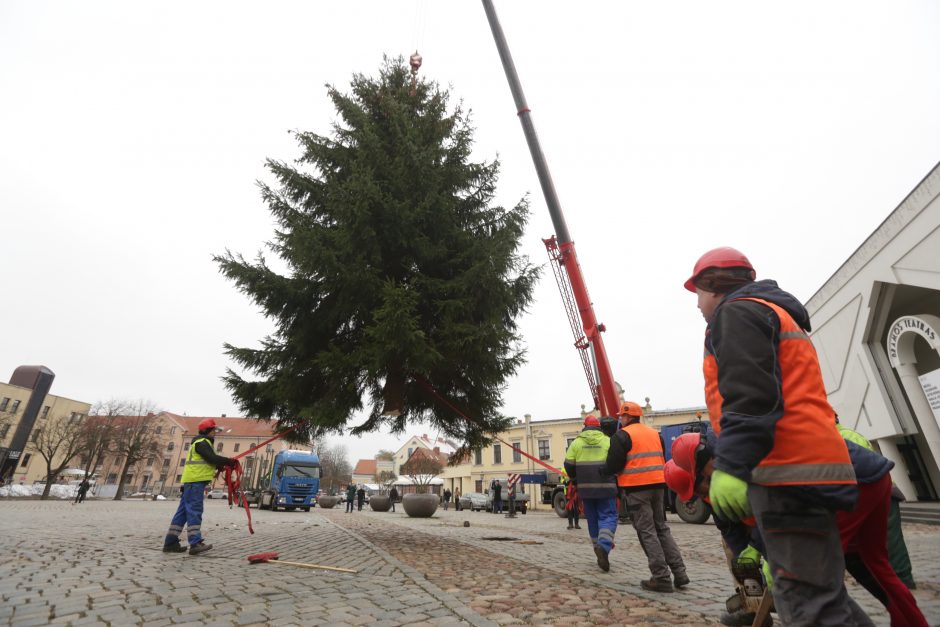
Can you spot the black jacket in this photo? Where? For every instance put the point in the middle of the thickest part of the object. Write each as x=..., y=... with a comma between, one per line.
x=206, y=450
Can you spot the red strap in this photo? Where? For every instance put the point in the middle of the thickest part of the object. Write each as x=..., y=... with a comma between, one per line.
x=236, y=496
x=469, y=419
x=268, y=441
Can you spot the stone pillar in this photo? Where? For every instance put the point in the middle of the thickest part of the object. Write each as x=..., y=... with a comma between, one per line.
x=899, y=473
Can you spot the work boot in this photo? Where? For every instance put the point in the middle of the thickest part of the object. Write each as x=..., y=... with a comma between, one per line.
x=577, y=526
x=655, y=585
x=174, y=548
x=201, y=547
x=602, y=559
x=570, y=526
x=681, y=580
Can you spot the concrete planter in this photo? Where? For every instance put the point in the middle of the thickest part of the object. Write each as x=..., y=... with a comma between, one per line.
x=420, y=505
x=380, y=503
x=328, y=502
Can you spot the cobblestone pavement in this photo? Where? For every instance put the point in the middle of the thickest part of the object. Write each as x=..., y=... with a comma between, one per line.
x=100, y=563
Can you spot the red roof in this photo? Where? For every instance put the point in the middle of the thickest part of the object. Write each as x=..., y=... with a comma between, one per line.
x=233, y=427
x=365, y=467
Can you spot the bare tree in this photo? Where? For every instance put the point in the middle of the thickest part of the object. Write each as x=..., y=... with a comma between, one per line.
x=422, y=467
x=58, y=443
x=335, y=468
x=134, y=438
x=97, y=432
x=385, y=478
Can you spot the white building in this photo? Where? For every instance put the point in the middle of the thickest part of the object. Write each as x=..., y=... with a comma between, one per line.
x=876, y=325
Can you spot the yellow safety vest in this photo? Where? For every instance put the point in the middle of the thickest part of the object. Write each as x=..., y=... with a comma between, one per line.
x=197, y=468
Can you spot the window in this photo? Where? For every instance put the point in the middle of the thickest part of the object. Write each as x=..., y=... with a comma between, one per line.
x=545, y=449
x=568, y=443
x=179, y=478
x=73, y=417
x=146, y=480
x=516, y=455
x=182, y=463
x=45, y=412
x=112, y=478
x=477, y=457
x=166, y=463
x=170, y=446
x=269, y=448
x=221, y=446
x=25, y=462
x=410, y=451
x=15, y=407
x=237, y=446
x=159, y=429
x=150, y=461
x=3, y=431
x=36, y=435
x=163, y=477
x=497, y=454
x=4, y=403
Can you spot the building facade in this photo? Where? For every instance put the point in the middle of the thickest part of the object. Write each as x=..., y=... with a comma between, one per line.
x=876, y=327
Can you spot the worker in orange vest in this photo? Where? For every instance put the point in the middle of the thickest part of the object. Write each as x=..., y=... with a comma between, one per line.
x=779, y=455
x=636, y=457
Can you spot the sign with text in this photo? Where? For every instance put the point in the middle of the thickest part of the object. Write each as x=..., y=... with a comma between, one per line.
x=930, y=382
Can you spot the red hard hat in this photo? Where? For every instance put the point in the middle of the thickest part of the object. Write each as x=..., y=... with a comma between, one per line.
x=683, y=451
x=628, y=408
x=591, y=421
x=207, y=424
x=724, y=257
x=679, y=481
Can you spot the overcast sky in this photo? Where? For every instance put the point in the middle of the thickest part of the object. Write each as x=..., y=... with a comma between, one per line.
x=132, y=134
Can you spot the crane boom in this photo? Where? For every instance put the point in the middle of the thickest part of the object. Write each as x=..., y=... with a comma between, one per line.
x=560, y=247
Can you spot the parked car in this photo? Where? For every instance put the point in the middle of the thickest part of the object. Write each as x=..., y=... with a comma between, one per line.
x=474, y=501
x=217, y=494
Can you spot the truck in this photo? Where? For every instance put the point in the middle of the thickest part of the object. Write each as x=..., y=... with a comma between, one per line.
x=293, y=482
x=695, y=510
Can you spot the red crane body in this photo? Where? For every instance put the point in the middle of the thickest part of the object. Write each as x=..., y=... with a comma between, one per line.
x=561, y=251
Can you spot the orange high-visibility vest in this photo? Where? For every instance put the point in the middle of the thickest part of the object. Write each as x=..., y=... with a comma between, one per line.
x=808, y=449
x=645, y=459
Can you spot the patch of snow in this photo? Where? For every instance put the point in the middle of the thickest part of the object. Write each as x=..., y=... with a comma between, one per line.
x=57, y=491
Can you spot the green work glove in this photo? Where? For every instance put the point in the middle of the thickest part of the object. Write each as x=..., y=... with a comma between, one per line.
x=768, y=578
x=728, y=495
x=750, y=553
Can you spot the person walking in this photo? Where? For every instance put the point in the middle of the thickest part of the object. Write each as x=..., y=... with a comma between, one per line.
x=360, y=497
x=446, y=498
x=393, y=496
x=637, y=457
x=350, y=497
x=496, y=488
x=201, y=465
x=779, y=455
x=586, y=465
x=457, y=499
x=573, y=504
x=82, y=491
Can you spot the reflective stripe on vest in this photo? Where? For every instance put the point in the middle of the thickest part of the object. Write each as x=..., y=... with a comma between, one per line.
x=197, y=468
x=645, y=461
x=808, y=449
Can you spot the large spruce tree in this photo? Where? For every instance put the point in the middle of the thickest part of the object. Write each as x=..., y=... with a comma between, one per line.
x=402, y=274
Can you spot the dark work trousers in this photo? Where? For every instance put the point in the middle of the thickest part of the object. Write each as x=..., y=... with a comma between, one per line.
x=189, y=513
x=349, y=505
x=601, y=515
x=649, y=521
x=805, y=554
x=865, y=530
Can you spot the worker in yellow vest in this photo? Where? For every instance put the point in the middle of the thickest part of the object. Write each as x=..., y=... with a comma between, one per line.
x=201, y=464
x=636, y=456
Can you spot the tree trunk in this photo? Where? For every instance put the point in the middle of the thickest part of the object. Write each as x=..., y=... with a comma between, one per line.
x=120, y=489
x=48, y=488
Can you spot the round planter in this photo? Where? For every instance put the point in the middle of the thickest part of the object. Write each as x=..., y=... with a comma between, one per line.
x=380, y=503
x=328, y=502
x=420, y=505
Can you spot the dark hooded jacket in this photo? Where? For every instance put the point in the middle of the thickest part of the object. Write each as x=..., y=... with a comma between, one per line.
x=744, y=337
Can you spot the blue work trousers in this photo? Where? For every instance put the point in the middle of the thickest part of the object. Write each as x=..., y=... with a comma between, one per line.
x=189, y=513
x=601, y=515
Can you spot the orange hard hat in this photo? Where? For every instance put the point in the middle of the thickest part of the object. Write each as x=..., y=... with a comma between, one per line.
x=207, y=425
x=684, y=449
x=680, y=481
x=724, y=257
x=591, y=421
x=628, y=408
